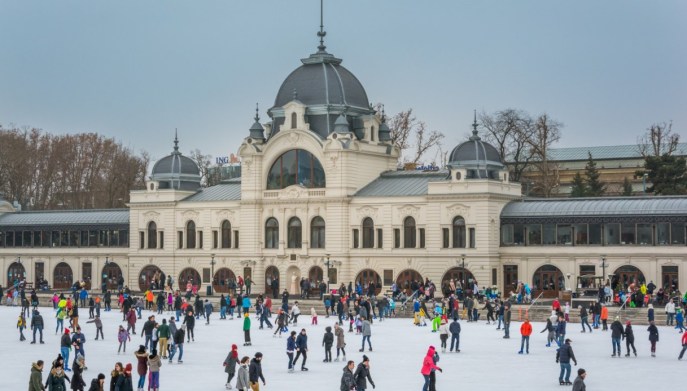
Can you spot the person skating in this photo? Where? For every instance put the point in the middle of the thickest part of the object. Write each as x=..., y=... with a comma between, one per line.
x=341, y=342
x=154, y=364
x=578, y=384
x=163, y=334
x=122, y=336
x=56, y=378
x=65, y=348
x=427, y=366
x=131, y=321
x=255, y=372
x=37, y=325
x=208, y=311
x=617, y=333
x=142, y=366
x=506, y=320
x=115, y=374
x=78, y=341
x=21, y=325
x=246, y=329
x=563, y=356
x=362, y=375
x=525, y=332
x=684, y=346
x=454, y=329
x=98, y=327
x=367, y=334
x=443, y=334
x=653, y=337
x=242, y=382
x=291, y=349
x=604, y=317
x=98, y=384
x=178, y=344
x=125, y=381
x=327, y=342
x=629, y=337
x=230, y=365
x=78, y=382
x=295, y=313
x=36, y=378
x=147, y=331
x=281, y=323
x=301, y=349
x=347, y=379
x=584, y=319
x=551, y=335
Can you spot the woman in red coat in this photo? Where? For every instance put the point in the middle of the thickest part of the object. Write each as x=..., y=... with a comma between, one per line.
x=427, y=366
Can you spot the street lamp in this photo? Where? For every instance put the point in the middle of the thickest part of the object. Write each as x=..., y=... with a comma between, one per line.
x=212, y=273
x=329, y=263
x=465, y=276
x=603, y=267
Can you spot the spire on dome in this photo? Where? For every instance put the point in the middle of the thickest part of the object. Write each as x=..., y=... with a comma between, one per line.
x=257, y=131
x=176, y=141
x=475, y=136
x=321, y=33
x=384, y=131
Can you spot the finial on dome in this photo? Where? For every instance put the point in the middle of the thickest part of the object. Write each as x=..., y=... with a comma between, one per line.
x=257, y=110
x=176, y=141
x=257, y=132
x=475, y=136
x=322, y=33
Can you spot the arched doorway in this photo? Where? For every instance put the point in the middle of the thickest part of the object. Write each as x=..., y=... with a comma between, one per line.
x=62, y=276
x=271, y=274
x=405, y=278
x=461, y=277
x=293, y=275
x=627, y=275
x=15, y=273
x=221, y=279
x=367, y=276
x=189, y=275
x=151, y=277
x=315, y=275
x=547, y=279
x=111, y=273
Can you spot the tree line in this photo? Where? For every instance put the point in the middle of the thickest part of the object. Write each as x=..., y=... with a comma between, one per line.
x=74, y=171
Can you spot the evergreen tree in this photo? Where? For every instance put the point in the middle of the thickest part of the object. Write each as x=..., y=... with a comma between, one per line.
x=595, y=188
x=579, y=187
x=666, y=173
x=627, y=187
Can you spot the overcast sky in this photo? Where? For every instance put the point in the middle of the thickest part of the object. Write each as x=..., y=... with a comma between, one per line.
x=136, y=70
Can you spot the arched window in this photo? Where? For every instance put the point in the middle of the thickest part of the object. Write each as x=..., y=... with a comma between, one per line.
x=190, y=234
x=317, y=233
x=409, y=233
x=296, y=167
x=295, y=233
x=226, y=234
x=152, y=235
x=272, y=233
x=294, y=120
x=368, y=233
x=458, y=232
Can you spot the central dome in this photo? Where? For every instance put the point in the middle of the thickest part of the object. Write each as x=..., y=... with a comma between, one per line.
x=479, y=158
x=322, y=83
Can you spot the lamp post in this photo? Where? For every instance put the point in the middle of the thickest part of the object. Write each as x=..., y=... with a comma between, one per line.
x=465, y=276
x=104, y=276
x=603, y=268
x=329, y=263
x=212, y=273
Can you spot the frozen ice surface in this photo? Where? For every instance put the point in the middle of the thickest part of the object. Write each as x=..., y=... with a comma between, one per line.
x=487, y=361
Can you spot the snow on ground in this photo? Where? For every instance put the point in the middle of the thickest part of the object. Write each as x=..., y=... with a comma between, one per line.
x=487, y=361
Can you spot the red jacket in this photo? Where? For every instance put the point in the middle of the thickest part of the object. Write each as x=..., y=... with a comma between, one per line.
x=526, y=329
x=684, y=338
x=428, y=363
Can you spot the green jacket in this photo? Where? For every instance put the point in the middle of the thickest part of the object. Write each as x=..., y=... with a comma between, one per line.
x=36, y=379
x=163, y=331
x=246, y=323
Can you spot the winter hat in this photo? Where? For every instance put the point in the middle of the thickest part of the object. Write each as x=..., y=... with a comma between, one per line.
x=628, y=323
x=568, y=340
x=66, y=331
x=141, y=349
x=234, y=347
x=127, y=368
x=101, y=376
x=258, y=355
x=365, y=358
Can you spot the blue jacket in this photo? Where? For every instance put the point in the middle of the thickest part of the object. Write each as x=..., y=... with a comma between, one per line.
x=245, y=303
x=83, y=294
x=302, y=341
x=290, y=344
x=416, y=306
x=560, y=328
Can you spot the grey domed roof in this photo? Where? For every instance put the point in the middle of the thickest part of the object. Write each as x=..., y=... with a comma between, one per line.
x=176, y=171
x=322, y=82
x=480, y=158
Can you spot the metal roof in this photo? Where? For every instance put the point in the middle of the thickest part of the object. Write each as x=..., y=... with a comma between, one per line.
x=604, y=152
x=606, y=206
x=226, y=191
x=65, y=217
x=401, y=183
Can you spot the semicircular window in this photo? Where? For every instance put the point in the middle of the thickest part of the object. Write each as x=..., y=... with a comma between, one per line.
x=296, y=167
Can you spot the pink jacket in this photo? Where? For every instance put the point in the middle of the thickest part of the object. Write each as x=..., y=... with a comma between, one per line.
x=428, y=363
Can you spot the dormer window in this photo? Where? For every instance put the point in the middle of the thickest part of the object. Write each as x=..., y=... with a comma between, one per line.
x=294, y=120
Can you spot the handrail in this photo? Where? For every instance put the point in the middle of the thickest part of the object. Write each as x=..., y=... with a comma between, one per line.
x=535, y=300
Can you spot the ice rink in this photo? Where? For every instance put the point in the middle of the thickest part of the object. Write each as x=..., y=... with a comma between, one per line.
x=486, y=362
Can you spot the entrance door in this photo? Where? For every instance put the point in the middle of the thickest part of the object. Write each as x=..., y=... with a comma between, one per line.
x=39, y=273
x=510, y=279
x=87, y=273
x=549, y=280
x=669, y=278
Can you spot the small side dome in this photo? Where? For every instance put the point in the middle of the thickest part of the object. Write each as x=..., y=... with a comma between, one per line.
x=176, y=171
x=480, y=159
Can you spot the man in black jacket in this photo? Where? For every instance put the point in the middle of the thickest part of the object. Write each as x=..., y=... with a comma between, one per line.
x=617, y=332
x=454, y=328
x=563, y=356
x=362, y=375
x=255, y=372
x=148, y=328
x=37, y=325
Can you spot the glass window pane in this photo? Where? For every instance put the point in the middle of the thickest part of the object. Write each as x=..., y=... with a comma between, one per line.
x=595, y=234
x=518, y=234
x=549, y=234
x=627, y=233
x=289, y=169
x=612, y=234
x=305, y=168
x=563, y=234
x=507, y=234
x=581, y=234
x=677, y=234
x=645, y=235
x=663, y=233
x=534, y=234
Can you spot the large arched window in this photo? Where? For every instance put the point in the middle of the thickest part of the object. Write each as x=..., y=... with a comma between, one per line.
x=458, y=232
x=272, y=233
x=295, y=167
x=317, y=233
x=295, y=233
x=226, y=234
x=152, y=235
x=409, y=237
x=190, y=234
x=368, y=233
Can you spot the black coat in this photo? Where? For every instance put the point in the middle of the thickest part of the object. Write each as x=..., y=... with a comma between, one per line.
x=629, y=334
x=124, y=383
x=617, y=329
x=565, y=354
x=255, y=371
x=653, y=333
x=362, y=375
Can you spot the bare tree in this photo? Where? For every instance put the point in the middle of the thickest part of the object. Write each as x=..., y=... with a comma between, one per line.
x=203, y=162
x=510, y=131
x=546, y=131
x=404, y=126
x=425, y=140
x=658, y=140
